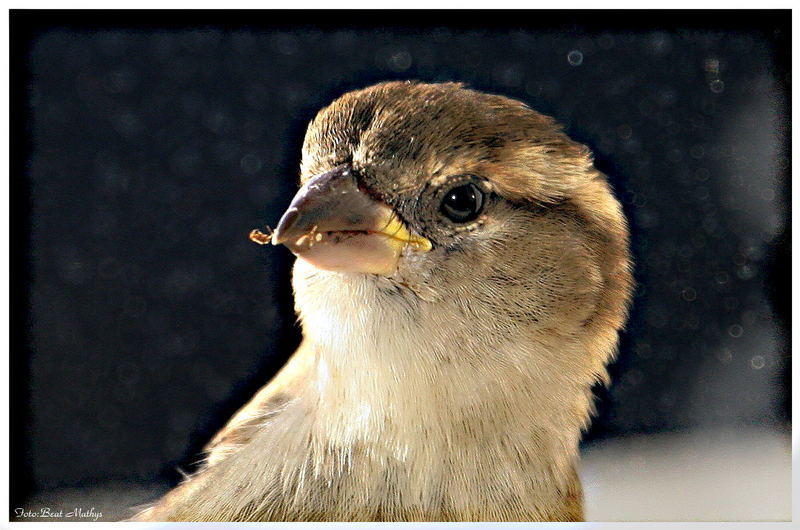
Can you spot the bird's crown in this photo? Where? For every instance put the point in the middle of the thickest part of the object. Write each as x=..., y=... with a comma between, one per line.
x=404, y=134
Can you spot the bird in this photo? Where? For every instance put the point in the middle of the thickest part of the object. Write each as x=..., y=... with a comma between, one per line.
x=463, y=273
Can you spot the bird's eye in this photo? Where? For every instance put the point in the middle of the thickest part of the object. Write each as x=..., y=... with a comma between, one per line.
x=462, y=203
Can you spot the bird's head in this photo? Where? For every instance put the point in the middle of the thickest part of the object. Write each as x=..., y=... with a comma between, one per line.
x=437, y=194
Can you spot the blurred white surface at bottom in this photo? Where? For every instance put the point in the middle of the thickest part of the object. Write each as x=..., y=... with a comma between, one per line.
x=741, y=474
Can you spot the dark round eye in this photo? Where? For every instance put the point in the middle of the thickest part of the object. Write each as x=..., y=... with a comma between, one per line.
x=462, y=203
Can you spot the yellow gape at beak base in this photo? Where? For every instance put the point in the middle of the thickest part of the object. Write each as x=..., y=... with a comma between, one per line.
x=335, y=226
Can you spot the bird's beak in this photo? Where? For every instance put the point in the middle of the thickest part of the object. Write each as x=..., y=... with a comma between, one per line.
x=336, y=226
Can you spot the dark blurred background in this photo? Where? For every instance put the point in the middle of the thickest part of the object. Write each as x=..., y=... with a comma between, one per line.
x=147, y=145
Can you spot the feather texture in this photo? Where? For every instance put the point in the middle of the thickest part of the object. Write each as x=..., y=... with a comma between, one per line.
x=456, y=388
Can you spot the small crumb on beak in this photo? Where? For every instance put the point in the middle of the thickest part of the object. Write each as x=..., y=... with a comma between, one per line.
x=260, y=237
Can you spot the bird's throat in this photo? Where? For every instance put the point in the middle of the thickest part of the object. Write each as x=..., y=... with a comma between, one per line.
x=402, y=382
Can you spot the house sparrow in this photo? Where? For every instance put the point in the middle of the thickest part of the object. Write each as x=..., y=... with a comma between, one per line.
x=463, y=273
